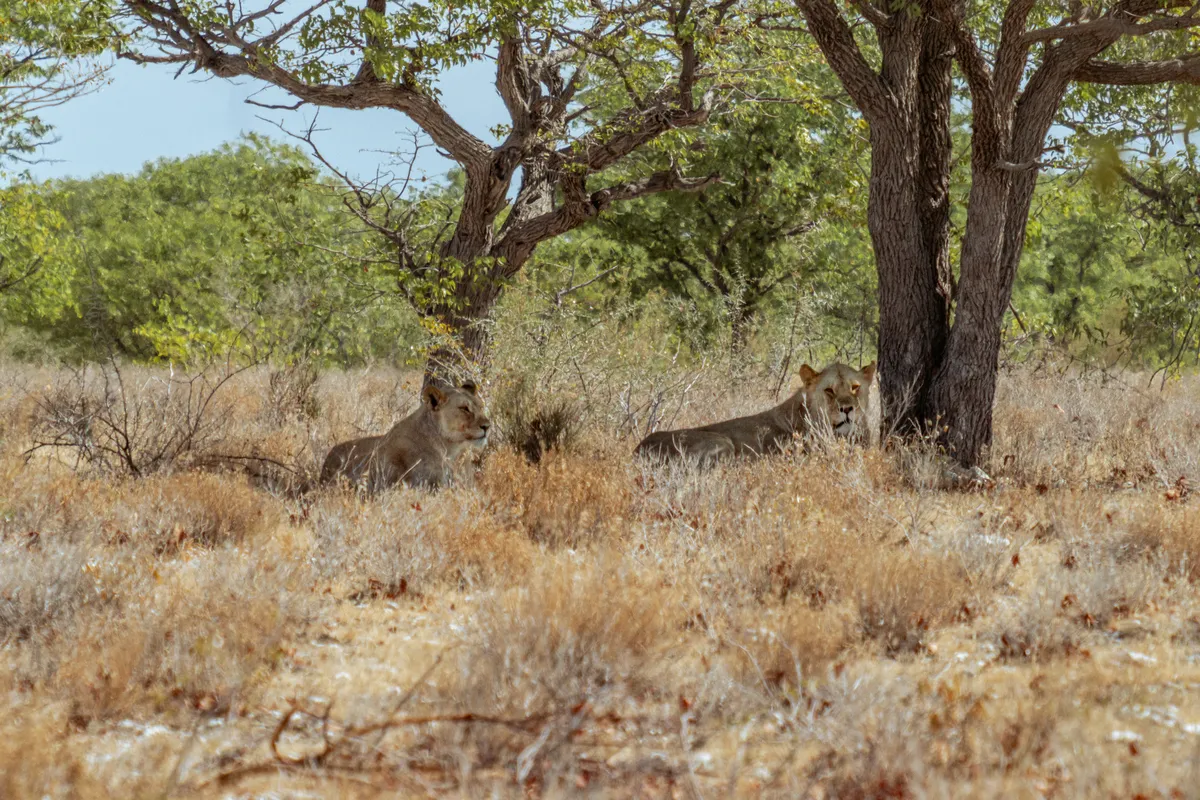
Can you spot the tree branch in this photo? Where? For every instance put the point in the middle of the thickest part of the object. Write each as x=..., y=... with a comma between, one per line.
x=204, y=48
x=968, y=55
x=872, y=14
x=632, y=128
x=513, y=84
x=1012, y=51
x=579, y=207
x=836, y=41
x=30, y=271
x=1185, y=69
x=1114, y=26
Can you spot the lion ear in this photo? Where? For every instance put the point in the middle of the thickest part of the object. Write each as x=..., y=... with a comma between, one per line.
x=470, y=388
x=434, y=395
x=808, y=375
x=868, y=372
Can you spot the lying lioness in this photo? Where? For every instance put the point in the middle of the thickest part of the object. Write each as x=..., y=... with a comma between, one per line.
x=836, y=396
x=420, y=449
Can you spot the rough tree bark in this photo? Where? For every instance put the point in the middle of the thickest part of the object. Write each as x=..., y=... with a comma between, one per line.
x=934, y=375
x=539, y=72
x=907, y=105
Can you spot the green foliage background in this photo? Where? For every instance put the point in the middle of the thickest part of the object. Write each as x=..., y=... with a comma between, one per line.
x=254, y=252
x=242, y=250
x=250, y=250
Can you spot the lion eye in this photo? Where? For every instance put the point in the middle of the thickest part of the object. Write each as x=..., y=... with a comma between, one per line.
x=854, y=388
x=829, y=391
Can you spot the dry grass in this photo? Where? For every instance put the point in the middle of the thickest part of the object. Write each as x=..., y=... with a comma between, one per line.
x=816, y=625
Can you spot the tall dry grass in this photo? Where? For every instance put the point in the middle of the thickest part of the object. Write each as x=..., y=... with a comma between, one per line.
x=822, y=624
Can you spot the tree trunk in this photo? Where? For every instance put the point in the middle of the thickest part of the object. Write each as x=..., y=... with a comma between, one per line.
x=933, y=114
x=741, y=322
x=1004, y=173
x=911, y=312
x=964, y=385
x=461, y=351
x=908, y=217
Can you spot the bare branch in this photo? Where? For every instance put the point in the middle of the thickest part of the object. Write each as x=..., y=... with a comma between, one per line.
x=275, y=106
x=1113, y=25
x=1185, y=69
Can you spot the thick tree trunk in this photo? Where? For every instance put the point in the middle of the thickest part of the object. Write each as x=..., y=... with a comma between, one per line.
x=1003, y=179
x=964, y=385
x=461, y=351
x=911, y=312
x=908, y=216
x=933, y=120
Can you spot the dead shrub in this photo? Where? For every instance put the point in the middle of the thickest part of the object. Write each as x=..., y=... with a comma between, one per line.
x=102, y=417
x=16, y=406
x=38, y=762
x=1172, y=535
x=1030, y=628
x=887, y=736
x=564, y=501
x=1059, y=428
x=204, y=635
x=292, y=393
x=535, y=426
x=410, y=543
x=43, y=583
x=44, y=502
x=1096, y=584
x=1101, y=581
x=789, y=646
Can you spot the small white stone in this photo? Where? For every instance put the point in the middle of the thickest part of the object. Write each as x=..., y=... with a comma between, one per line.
x=1141, y=658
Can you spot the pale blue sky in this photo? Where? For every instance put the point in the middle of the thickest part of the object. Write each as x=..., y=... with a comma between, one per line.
x=143, y=113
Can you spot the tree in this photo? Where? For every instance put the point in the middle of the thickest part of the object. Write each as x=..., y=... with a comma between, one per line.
x=939, y=337
x=45, y=60
x=787, y=166
x=1164, y=315
x=389, y=55
x=45, y=50
x=1083, y=258
x=215, y=253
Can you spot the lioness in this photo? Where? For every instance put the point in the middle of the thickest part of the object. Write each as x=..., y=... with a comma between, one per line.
x=836, y=397
x=420, y=449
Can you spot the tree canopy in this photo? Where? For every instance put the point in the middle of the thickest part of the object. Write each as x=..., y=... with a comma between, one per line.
x=46, y=51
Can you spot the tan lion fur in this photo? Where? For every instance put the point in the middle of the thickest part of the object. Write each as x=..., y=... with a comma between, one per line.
x=420, y=449
x=835, y=398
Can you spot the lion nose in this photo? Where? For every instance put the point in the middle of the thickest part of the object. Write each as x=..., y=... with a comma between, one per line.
x=847, y=410
x=483, y=426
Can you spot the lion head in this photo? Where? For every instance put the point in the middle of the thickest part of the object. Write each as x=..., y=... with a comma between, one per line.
x=839, y=395
x=458, y=413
